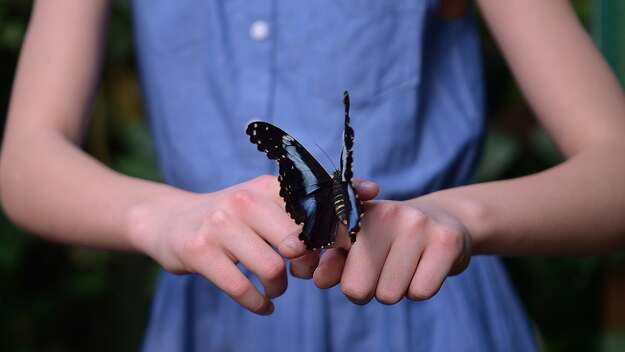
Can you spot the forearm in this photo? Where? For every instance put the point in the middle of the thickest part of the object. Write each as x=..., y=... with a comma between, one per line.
x=578, y=206
x=51, y=188
x=47, y=184
x=575, y=208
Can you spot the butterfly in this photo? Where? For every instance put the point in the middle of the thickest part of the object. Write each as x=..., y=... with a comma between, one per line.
x=312, y=196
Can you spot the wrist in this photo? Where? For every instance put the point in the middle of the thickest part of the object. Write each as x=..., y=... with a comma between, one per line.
x=142, y=218
x=474, y=215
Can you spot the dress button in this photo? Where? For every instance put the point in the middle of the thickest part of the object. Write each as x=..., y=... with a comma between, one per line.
x=259, y=30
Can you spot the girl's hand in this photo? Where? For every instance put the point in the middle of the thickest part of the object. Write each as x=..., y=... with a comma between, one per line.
x=209, y=234
x=403, y=249
x=305, y=265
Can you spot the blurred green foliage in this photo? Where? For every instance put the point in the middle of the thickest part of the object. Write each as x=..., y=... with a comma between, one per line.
x=56, y=298
x=609, y=33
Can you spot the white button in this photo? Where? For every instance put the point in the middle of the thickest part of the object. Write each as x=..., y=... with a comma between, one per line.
x=259, y=30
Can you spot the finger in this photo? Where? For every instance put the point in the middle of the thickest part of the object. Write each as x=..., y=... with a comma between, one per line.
x=343, y=240
x=304, y=266
x=329, y=271
x=367, y=190
x=433, y=268
x=276, y=227
x=364, y=264
x=399, y=268
x=245, y=245
x=220, y=270
x=270, y=221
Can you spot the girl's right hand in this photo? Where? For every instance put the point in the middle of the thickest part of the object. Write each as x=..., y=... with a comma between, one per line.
x=209, y=233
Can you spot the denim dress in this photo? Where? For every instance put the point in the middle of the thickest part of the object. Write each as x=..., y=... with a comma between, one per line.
x=208, y=67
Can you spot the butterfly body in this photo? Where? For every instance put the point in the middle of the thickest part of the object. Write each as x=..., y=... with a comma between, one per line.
x=312, y=197
x=346, y=204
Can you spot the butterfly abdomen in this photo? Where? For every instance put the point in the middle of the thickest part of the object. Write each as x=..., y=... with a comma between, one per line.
x=338, y=199
x=348, y=208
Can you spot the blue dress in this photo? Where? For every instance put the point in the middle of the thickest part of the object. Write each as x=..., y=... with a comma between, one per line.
x=209, y=67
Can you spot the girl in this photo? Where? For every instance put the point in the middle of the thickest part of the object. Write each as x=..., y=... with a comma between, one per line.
x=413, y=68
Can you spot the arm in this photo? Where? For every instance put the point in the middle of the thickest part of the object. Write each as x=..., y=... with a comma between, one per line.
x=409, y=248
x=578, y=206
x=41, y=167
x=53, y=189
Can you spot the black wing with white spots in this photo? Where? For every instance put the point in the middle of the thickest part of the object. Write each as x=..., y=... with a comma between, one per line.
x=304, y=185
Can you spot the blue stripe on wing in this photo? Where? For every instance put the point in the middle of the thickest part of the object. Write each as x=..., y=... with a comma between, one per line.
x=304, y=185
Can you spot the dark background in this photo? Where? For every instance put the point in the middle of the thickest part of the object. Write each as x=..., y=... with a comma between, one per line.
x=56, y=298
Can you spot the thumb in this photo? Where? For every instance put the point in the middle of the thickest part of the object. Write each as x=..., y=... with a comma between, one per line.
x=367, y=190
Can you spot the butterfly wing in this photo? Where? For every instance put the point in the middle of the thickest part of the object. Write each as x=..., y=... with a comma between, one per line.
x=320, y=227
x=353, y=211
x=304, y=185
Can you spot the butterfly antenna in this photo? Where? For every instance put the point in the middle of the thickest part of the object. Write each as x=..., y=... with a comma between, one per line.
x=348, y=132
x=326, y=154
x=346, y=103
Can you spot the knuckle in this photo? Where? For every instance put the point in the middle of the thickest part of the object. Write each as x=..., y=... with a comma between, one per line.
x=195, y=244
x=355, y=292
x=390, y=212
x=387, y=296
x=239, y=288
x=274, y=269
x=448, y=238
x=241, y=198
x=415, y=219
x=217, y=218
x=419, y=293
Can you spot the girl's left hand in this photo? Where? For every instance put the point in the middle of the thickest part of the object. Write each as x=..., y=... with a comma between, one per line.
x=405, y=248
